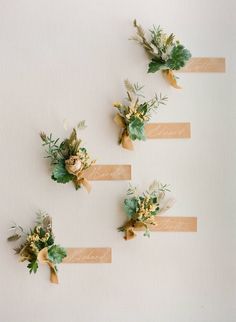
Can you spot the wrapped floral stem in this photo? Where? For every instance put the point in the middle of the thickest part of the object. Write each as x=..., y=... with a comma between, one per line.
x=166, y=53
x=142, y=210
x=38, y=246
x=134, y=113
x=68, y=159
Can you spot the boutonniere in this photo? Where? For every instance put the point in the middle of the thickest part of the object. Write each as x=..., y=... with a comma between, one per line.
x=68, y=159
x=142, y=210
x=38, y=246
x=134, y=113
x=166, y=53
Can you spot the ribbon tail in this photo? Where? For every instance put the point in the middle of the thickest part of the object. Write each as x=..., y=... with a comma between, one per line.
x=119, y=120
x=53, y=274
x=131, y=226
x=128, y=229
x=78, y=181
x=43, y=259
x=126, y=142
x=86, y=184
x=129, y=233
x=171, y=79
x=125, y=139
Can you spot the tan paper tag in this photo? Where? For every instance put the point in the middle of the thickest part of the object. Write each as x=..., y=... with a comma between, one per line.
x=168, y=130
x=174, y=224
x=108, y=172
x=88, y=255
x=204, y=65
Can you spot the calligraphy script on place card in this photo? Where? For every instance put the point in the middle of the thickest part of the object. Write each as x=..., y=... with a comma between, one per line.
x=168, y=130
x=108, y=172
x=174, y=224
x=88, y=255
x=204, y=65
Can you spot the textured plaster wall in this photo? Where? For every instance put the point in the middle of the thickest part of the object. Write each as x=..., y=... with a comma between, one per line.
x=67, y=60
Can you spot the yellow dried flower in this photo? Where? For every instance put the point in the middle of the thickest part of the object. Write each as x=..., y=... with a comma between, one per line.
x=34, y=248
x=152, y=208
x=45, y=238
x=117, y=104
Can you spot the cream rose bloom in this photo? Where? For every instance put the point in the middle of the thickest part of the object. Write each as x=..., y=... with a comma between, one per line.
x=73, y=165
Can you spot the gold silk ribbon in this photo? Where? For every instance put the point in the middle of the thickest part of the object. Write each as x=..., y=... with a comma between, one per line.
x=129, y=228
x=125, y=139
x=43, y=259
x=83, y=181
x=119, y=120
x=170, y=77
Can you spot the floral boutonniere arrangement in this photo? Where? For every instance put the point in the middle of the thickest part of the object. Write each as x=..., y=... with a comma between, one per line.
x=166, y=53
x=142, y=210
x=134, y=113
x=38, y=246
x=68, y=158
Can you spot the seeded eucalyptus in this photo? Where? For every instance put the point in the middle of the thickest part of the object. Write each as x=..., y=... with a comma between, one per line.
x=166, y=53
x=38, y=246
x=134, y=113
x=143, y=209
x=68, y=158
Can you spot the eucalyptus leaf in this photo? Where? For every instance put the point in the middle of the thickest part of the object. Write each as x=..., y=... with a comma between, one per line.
x=56, y=254
x=130, y=207
x=136, y=129
x=60, y=174
x=179, y=56
x=14, y=237
x=155, y=65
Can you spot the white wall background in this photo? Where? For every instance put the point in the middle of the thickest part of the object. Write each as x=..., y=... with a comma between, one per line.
x=67, y=59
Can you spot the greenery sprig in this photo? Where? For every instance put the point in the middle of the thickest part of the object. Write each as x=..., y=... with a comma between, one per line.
x=166, y=53
x=142, y=210
x=68, y=158
x=38, y=245
x=134, y=113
